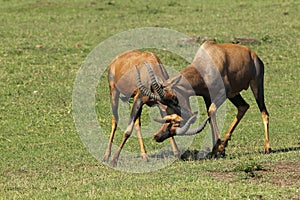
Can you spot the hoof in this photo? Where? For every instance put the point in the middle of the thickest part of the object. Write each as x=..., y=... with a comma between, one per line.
x=216, y=155
x=217, y=149
x=176, y=154
x=113, y=163
x=268, y=150
x=145, y=157
x=222, y=154
x=105, y=158
x=114, y=160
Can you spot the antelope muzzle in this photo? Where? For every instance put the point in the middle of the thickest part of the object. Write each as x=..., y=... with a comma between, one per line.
x=171, y=127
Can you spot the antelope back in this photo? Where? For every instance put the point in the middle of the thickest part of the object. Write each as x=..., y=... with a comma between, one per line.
x=122, y=72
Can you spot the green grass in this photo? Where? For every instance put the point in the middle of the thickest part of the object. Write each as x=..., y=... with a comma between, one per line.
x=42, y=156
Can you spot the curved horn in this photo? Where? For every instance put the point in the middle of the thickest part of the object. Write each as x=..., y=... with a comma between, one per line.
x=145, y=91
x=185, y=128
x=198, y=129
x=154, y=82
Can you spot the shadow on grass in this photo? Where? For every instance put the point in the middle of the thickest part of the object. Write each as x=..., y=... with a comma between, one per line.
x=284, y=150
x=192, y=155
x=188, y=155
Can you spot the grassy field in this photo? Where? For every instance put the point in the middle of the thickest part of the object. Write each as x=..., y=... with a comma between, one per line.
x=43, y=45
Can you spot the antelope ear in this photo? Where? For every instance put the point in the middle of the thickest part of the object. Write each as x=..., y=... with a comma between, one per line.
x=172, y=82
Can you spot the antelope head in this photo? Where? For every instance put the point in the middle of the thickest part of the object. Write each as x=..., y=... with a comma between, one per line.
x=173, y=123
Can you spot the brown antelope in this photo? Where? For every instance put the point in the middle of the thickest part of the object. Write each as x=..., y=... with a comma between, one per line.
x=122, y=79
x=218, y=71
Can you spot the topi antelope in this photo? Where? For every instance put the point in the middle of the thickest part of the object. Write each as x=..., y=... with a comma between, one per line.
x=122, y=79
x=218, y=71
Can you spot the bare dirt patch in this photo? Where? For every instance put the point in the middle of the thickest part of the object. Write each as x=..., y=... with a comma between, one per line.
x=283, y=174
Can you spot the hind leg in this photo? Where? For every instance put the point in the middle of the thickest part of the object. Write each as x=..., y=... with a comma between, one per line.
x=258, y=91
x=114, y=100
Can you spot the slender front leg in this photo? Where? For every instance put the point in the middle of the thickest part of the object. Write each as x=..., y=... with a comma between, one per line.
x=214, y=128
x=135, y=113
x=139, y=134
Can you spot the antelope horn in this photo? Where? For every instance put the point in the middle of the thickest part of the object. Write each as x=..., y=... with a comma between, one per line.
x=185, y=129
x=198, y=129
x=182, y=130
x=145, y=91
x=154, y=82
